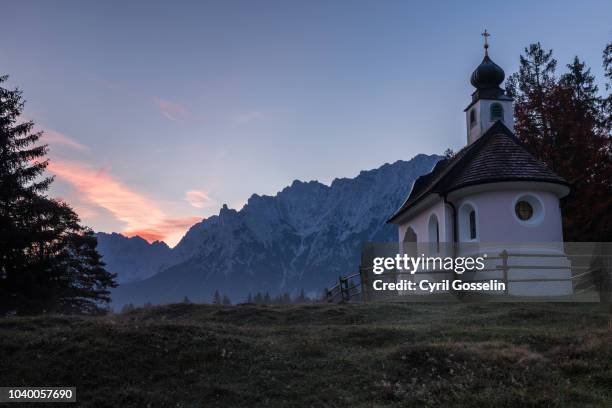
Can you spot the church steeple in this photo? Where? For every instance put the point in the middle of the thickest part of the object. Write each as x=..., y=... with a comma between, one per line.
x=489, y=103
x=488, y=76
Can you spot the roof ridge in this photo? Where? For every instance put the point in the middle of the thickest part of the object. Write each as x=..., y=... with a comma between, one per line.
x=457, y=158
x=478, y=144
x=487, y=159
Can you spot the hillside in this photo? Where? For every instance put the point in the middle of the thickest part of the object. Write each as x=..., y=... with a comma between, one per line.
x=133, y=259
x=302, y=238
x=384, y=355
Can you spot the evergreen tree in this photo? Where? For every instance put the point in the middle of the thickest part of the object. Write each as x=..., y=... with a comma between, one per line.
x=258, y=298
x=48, y=261
x=448, y=154
x=563, y=121
x=266, y=299
x=216, y=298
x=128, y=308
x=301, y=297
x=186, y=300
x=250, y=298
x=607, y=66
x=85, y=282
x=226, y=300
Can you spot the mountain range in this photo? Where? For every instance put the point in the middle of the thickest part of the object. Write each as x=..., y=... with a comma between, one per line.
x=133, y=259
x=304, y=237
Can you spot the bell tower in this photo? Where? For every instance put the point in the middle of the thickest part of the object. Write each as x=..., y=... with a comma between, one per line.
x=489, y=102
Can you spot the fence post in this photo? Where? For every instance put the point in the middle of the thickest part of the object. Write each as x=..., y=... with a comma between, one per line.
x=363, y=276
x=347, y=290
x=504, y=257
x=343, y=295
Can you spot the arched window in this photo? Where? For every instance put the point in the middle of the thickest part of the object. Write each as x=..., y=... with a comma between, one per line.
x=472, y=117
x=472, y=217
x=497, y=112
x=409, y=244
x=434, y=233
x=410, y=235
x=468, y=223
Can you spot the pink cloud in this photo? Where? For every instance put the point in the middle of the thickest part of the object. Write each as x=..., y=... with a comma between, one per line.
x=170, y=230
x=171, y=110
x=135, y=210
x=175, y=112
x=55, y=138
x=199, y=199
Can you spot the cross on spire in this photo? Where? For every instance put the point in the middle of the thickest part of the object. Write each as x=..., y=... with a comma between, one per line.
x=486, y=35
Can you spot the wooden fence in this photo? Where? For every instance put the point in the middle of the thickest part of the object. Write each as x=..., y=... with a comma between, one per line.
x=585, y=277
x=345, y=289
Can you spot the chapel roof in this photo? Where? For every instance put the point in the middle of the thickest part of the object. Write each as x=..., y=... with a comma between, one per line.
x=497, y=156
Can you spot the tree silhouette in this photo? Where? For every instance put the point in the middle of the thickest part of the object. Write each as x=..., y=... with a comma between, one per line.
x=216, y=298
x=226, y=300
x=48, y=261
x=301, y=297
x=129, y=307
x=607, y=66
x=566, y=124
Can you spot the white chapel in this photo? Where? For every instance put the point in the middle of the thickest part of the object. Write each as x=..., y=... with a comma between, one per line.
x=492, y=191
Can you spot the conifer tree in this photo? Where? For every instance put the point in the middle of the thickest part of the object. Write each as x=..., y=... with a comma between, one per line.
x=226, y=300
x=607, y=66
x=302, y=297
x=48, y=261
x=80, y=268
x=563, y=121
x=216, y=298
x=127, y=308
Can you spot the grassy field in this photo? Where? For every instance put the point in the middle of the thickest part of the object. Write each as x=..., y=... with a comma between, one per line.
x=376, y=355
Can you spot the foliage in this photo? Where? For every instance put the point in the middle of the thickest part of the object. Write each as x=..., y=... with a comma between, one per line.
x=128, y=308
x=48, y=261
x=280, y=299
x=216, y=298
x=566, y=123
x=448, y=154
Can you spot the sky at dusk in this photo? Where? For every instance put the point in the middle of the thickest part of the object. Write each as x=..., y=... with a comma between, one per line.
x=158, y=113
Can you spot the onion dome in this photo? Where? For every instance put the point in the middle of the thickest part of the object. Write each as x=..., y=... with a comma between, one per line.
x=487, y=75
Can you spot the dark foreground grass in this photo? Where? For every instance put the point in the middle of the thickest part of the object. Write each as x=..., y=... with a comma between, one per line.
x=377, y=355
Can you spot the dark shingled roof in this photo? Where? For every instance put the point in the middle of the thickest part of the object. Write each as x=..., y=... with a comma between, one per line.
x=496, y=156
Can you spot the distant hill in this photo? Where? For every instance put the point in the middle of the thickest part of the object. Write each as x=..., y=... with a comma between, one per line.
x=133, y=259
x=303, y=237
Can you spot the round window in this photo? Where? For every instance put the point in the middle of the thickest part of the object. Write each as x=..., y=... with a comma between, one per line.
x=524, y=210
